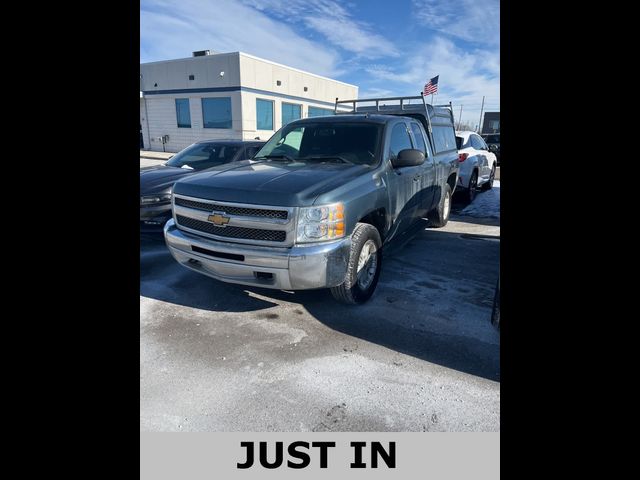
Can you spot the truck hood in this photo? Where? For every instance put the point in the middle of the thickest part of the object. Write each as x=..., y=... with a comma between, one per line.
x=269, y=182
x=160, y=178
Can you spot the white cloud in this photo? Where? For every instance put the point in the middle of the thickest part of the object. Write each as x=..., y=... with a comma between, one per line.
x=472, y=20
x=375, y=93
x=465, y=76
x=170, y=29
x=326, y=37
x=334, y=22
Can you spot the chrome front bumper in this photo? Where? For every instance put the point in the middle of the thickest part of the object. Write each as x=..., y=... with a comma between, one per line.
x=320, y=265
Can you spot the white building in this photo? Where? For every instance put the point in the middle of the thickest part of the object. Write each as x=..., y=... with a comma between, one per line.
x=228, y=96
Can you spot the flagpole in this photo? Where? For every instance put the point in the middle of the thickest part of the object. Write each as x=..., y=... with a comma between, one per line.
x=481, y=108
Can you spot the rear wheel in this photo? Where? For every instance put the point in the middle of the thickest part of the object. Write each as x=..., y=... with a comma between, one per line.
x=489, y=185
x=363, y=270
x=473, y=185
x=439, y=216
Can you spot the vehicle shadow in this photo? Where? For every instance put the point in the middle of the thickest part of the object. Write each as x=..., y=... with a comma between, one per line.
x=433, y=301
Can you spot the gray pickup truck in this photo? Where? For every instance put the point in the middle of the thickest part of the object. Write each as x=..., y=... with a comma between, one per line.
x=315, y=206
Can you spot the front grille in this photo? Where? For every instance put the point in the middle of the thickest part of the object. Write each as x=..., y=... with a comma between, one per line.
x=232, y=232
x=240, y=211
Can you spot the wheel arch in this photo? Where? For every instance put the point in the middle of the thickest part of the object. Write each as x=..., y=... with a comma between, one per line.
x=378, y=219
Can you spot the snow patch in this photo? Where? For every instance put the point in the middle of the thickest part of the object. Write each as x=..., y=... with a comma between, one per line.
x=486, y=204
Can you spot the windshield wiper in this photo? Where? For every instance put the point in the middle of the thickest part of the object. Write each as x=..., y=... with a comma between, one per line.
x=286, y=157
x=327, y=157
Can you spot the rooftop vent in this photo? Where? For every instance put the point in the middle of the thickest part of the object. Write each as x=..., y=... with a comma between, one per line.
x=201, y=53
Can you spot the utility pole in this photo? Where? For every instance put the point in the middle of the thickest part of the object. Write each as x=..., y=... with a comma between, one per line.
x=481, y=108
x=460, y=117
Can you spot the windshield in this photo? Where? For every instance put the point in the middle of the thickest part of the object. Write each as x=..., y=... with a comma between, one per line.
x=459, y=142
x=347, y=142
x=492, y=139
x=204, y=155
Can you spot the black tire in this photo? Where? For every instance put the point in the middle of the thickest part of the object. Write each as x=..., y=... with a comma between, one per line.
x=489, y=185
x=439, y=216
x=350, y=291
x=470, y=193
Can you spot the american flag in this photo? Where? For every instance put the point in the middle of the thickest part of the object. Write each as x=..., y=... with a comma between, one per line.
x=431, y=86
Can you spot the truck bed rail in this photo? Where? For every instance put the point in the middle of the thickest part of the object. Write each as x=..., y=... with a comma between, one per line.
x=422, y=108
x=377, y=101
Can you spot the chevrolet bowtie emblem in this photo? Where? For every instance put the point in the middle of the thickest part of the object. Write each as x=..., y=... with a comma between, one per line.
x=218, y=219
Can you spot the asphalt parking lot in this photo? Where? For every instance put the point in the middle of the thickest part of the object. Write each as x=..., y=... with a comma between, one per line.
x=422, y=355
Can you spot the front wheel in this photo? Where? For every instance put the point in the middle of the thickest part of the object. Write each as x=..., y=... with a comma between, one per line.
x=363, y=270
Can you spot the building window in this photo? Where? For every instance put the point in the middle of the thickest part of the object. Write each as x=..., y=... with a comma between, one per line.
x=264, y=114
x=216, y=112
x=192, y=77
x=183, y=115
x=319, y=112
x=495, y=125
x=290, y=112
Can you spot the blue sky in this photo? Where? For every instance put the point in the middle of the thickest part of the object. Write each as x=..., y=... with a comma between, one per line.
x=386, y=47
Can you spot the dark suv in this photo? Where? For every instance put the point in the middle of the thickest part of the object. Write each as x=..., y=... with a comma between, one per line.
x=156, y=182
x=493, y=142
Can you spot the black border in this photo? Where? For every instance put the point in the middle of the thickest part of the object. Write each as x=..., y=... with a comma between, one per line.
x=74, y=234
x=82, y=233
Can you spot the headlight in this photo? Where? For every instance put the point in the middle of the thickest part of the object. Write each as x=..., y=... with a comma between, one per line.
x=317, y=224
x=151, y=199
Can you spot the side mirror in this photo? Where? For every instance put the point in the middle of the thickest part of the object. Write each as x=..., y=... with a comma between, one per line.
x=408, y=157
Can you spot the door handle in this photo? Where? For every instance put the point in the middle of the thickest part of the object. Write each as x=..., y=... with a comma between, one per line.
x=416, y=178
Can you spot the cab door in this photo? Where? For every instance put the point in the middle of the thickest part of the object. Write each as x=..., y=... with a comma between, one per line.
x=405, y=183
x=428, y=182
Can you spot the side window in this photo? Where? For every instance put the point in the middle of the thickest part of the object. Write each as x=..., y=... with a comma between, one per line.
x=450, y=138
x=399, y=140
x=477, y=143
x=445, y=138
x=439, y=139
x=417, y=134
